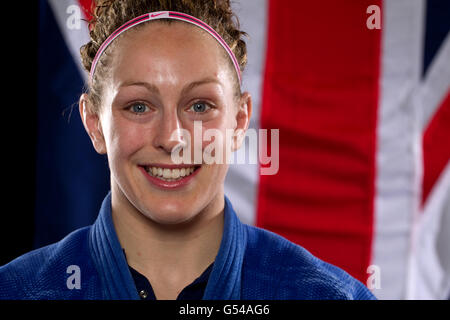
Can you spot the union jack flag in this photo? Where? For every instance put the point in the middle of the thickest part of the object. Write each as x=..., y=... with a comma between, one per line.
x=364, y=120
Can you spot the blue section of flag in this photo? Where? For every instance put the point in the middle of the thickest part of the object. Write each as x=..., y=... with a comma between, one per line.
x=71, y=178
x=437, y=28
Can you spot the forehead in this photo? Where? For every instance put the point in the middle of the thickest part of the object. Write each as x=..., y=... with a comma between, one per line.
x=176, y=53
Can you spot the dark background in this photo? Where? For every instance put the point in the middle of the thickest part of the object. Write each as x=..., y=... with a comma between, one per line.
x=18, y=128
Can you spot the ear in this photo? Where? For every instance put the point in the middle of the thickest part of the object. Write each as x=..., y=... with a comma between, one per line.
x=243, y=116
x=91, y=122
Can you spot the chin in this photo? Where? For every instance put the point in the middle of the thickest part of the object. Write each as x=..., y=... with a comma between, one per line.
x=170, y=213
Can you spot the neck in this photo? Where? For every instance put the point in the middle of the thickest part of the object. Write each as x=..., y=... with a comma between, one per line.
x=170, y=256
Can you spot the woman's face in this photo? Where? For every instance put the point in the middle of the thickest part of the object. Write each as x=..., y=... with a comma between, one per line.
x=162, y=79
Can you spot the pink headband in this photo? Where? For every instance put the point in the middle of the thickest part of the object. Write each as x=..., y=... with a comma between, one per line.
x=165, y=15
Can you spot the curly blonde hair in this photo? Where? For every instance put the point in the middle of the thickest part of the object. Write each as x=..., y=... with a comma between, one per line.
x=108, y=15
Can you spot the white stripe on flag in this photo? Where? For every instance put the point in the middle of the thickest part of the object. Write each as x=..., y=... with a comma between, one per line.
x=399, y=143
x=430, y=262
x=74, y=35
x=241, y=184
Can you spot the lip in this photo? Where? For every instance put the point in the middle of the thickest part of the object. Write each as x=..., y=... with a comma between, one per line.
x=169, y=185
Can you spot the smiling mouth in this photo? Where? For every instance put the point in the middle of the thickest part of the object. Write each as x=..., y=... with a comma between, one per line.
x=169, y=175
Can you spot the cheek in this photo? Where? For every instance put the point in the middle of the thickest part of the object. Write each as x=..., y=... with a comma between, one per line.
x=225, y=121
x=206, y=137
x=215, y=147
x=222, y=126
x=123, y=139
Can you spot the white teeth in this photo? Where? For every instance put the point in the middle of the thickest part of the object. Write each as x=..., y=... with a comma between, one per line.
x=169, y=174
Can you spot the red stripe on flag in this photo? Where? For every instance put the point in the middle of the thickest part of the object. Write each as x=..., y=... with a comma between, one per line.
x=87, y=8
x=321, y=91
x=436, y=151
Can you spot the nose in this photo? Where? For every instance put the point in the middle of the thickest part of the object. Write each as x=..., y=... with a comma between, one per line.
x=169, y=134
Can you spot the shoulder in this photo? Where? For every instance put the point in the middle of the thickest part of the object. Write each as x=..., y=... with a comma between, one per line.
x=43, y=273
x=284, y=270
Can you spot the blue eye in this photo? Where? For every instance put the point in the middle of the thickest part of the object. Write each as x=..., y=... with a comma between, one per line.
x=200, y=107
x=139, y=108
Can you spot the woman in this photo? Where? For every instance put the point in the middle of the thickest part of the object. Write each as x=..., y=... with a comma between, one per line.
x=157, y=70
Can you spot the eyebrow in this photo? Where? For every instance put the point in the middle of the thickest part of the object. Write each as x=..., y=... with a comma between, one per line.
x=154, y=89
x=194, y=84
x=150, y=87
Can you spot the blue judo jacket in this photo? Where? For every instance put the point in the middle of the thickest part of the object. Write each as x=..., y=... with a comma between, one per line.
x=251, y=264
